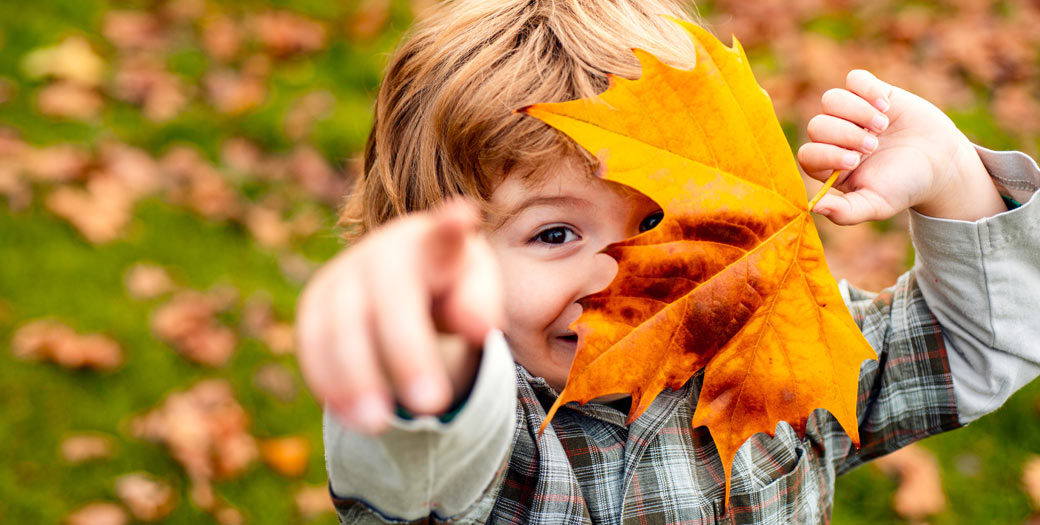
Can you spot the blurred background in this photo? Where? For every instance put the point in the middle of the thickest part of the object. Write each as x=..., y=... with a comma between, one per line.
x=169, y=176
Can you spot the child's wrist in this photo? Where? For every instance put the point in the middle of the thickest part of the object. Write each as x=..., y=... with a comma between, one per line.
x=968, y=194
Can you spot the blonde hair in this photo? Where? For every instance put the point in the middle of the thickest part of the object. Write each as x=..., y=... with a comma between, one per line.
x=444, y=122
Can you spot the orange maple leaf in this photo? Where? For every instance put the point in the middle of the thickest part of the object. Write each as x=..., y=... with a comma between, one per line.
x=733, y=278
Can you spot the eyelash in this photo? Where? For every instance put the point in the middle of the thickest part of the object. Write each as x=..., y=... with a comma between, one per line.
x=566, y=229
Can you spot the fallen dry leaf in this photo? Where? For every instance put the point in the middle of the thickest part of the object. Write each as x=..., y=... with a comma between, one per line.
x=72, y=60
x=69, y=100
x=194, y=183
x=232, y=93
x=733, y=279
x=1031, y=480
x=147, y=281
x=49, y=340
x=147, y=498
x=258, y=320
x=369, y=19
x=144, y=81
x=267, y=226
x=188, y=323
x=206, y=431
x=100, y=211
x=88, y=446
x=313, y=501
x=98, y=513
x=58, y=163
x=288, y=455
x=920, y=493
x=221, y=37
x=308, y=167
x=277, y=380
x=283, y=33
x=133, y=30
x=304, y=112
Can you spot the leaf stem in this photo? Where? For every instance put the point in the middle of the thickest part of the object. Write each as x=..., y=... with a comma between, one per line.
x=826, y=186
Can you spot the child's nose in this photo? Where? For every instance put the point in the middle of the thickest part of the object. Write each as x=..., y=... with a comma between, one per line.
x=601, y=273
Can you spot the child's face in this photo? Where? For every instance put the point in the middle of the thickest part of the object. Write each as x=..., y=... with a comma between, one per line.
x=548, y=234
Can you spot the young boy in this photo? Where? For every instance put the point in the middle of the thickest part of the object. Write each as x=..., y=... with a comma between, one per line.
x=956, y=335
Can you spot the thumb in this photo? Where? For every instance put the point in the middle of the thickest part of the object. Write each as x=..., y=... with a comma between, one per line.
x=846, y=209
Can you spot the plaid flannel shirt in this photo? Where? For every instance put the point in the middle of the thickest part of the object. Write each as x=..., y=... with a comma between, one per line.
x=589, y=467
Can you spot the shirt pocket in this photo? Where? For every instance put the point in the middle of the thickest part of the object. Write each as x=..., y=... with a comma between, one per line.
x=777, y=481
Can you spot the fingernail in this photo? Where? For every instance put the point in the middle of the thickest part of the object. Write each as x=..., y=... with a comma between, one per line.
x=850, y=160
x=822, y=211
x=370, y=412
x=881, y=104
x=424, y=395
x=879, y=122
x=870, y=142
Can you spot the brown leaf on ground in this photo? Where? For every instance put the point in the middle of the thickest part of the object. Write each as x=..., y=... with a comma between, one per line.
x=369, y=19
x=920, y=493
x=86, y=446
x=145, y=82
x=132, y=30
x=49, y=340
x=296, y=267
x=286, y=455
x=308, y=167
x=232, y=93
x=221, y=37
x=69, y=100
x=14, y=188
x=229, y=516
x=1017, y=108
x=259, y=321
x=1031, y=480
x=188, y=323
x=72, y=60
x=147, y=498
x=241, y=155
x=100, y=211
x=283, y=33
x=206, y=431
x=134, y=168
x=267, y=226
x=59, y=163
x=313, y=501
x=98, y=513
x=147, y=281
x=193, y=182
x=304, y=112
x=277, y=380
x=184, y=10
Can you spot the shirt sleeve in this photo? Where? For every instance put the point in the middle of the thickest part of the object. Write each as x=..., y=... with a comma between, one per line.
x=424, y=467
x=982, y=281
x=958, y=334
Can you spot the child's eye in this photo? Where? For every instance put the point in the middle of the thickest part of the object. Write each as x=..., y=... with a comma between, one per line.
x=651, y=221
x=555, y=235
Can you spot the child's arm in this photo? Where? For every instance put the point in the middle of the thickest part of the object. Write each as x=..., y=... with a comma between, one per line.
x=959, y=333
x=368, y=326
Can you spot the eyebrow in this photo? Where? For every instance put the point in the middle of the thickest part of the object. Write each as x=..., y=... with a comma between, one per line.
x=538, y=200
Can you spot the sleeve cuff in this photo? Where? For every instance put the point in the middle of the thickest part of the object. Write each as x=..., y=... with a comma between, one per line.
x=424, y=466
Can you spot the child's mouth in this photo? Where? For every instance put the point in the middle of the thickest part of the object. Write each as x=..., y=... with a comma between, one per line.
x=569, y=338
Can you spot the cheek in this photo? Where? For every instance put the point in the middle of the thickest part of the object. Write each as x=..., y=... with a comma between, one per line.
x=535, y=298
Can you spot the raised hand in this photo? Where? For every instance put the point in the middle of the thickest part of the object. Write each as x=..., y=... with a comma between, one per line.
x=896, y=151
x=369, y=322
